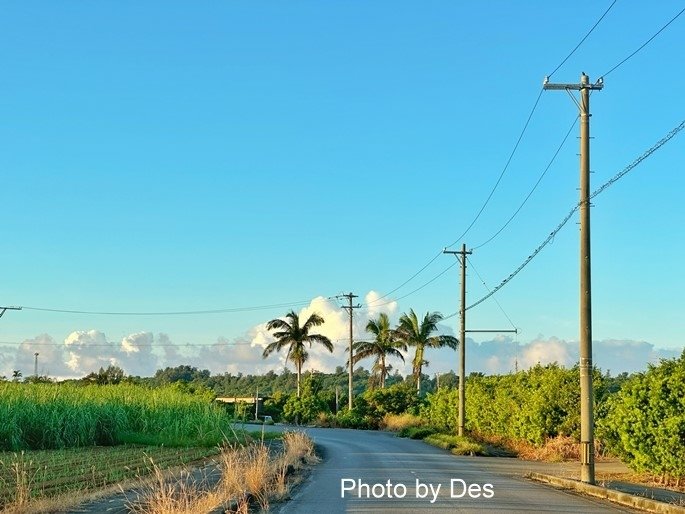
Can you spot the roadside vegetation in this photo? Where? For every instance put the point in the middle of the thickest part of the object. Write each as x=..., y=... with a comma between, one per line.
x=531, y=414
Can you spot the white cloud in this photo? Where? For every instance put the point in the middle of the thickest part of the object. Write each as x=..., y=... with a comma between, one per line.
x=142, y=353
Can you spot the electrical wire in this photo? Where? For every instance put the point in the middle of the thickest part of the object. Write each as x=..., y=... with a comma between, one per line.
x=644, y=44
x=549, y=165
x=582, y=40
x=406, y=281
x=488, y=289
x=506, y=166
x=418, y=288
x=171, y=313
x=598, y=191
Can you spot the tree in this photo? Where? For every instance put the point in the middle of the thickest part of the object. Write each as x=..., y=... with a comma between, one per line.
x=16, y=375
x=384, y=345
x=111, y=375
x=290, y=334
x=418, y=334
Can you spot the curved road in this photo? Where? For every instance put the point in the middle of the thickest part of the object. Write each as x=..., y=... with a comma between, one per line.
x=354, y=456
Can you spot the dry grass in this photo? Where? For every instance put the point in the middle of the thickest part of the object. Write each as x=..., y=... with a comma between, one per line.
x=249, y=475
x=555, y=449
x=174, y=494
x=397, y=422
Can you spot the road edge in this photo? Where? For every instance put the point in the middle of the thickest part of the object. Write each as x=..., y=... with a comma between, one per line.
x=625, y=499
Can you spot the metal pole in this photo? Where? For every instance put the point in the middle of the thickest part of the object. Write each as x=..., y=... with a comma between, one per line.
x=35, y=366
x=587, y=459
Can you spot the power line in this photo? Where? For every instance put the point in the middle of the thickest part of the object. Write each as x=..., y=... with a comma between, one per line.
x=417, y=289
x=488, y=289
x=549, y=165
x=582, y=40
x=171, y=313
x=563, y=222
x=117, y=345
x=506, y=166
x=406, y=281
x=645, y=43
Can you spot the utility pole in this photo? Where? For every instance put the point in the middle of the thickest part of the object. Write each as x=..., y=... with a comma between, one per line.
x=587, y=452
x=462, y=338
x=256, y=404
x=349, y=308
x=35, y=365
x=462, y=335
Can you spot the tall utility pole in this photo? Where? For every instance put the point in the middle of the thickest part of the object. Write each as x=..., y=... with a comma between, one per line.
x=462, y=336
x=35, y=365
x=349, y=309
x=587, y=453
x=461, y=256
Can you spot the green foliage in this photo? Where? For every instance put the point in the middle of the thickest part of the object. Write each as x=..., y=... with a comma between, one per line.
x=416, y=432
x=645, y=421
x=456, y=444
x=441, y=409
x=310, y=403
x=396, y=399
x=45, y=416
x=533, y=405
x=354, y=419
x=111, y=375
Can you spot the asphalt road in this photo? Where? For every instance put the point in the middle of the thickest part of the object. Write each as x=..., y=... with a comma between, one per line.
x=422, y=478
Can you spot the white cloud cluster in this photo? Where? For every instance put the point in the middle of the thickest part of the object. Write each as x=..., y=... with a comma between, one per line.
x=142, y=353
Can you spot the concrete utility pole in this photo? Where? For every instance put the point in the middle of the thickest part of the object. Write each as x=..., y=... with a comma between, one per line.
x=35, y=365
x=462, y=337
x=349, y=309
x=256, y=404
x=587, y=451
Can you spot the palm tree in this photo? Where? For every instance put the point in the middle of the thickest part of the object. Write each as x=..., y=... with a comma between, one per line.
x=290, y=334
x=413, y=333
x=384, y=344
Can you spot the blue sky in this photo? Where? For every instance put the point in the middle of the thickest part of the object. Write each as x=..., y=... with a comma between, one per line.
x=175, y=156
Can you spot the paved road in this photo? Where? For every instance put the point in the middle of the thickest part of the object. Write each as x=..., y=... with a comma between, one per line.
x=379, y=457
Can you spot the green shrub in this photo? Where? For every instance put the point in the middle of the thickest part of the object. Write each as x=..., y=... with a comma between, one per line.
x=456, y=444
x=416, y=432
x=645, y=421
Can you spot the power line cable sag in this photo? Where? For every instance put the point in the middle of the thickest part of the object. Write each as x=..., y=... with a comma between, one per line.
x=598, y=191
x=525, y=126
x=488, y=289
x=525, y=200
x=417, y=289
x=644, y=44
x=171, y=313
x=511, y=156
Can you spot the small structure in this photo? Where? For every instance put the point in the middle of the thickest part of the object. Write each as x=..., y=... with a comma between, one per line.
x=238, y=401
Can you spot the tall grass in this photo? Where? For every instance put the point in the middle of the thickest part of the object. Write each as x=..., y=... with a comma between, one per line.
x=49, y=416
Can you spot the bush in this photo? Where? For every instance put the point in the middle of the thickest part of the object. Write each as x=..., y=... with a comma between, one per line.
x=416, y=432
x=397, y=422
x=441, y=409
x=645, y=422
x=308, y=406
x=355, y=419
x=456, y=444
